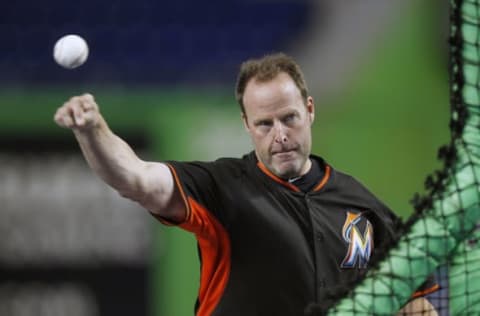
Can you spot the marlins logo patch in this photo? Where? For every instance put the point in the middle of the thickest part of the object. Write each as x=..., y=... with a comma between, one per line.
x=358, y=233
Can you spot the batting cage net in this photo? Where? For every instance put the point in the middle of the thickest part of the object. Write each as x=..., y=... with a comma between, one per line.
x=442, y=238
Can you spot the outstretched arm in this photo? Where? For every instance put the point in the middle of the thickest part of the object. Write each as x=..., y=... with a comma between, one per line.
x=149, y=183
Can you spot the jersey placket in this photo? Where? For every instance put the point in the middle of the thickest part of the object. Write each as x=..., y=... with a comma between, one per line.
x=318, y=243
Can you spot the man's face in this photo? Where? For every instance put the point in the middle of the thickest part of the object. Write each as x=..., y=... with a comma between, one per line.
x=279, y=124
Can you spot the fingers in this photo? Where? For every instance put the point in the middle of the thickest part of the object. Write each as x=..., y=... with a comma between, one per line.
x=88, y=103
x=77, y=113
x=63, y=118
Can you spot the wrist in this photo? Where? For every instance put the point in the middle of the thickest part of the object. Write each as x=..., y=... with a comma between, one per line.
x=92, y=128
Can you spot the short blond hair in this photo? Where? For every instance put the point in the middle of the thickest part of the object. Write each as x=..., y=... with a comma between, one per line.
x=267, y=68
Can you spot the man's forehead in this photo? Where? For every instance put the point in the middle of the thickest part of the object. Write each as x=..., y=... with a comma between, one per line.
x=270, y=91
x=282, y=79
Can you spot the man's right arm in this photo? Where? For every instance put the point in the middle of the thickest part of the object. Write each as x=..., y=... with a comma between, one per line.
x=149, y=183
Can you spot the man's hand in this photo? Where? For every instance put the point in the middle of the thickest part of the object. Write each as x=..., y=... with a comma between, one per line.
x=78, y=113
x=418, y=306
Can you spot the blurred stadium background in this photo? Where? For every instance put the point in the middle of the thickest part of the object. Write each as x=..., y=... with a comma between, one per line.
x=163, y=73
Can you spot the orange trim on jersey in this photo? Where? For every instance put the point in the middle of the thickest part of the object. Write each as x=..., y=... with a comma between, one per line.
x=215, y=252
x=426, y=291
x=324, y=180
x=319, y=186
x=277, y=179
x=182, y=194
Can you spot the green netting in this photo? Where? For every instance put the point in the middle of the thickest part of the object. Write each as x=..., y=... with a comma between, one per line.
x=444, y=232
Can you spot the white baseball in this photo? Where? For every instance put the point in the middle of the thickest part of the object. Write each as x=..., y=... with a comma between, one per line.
x=70, y=51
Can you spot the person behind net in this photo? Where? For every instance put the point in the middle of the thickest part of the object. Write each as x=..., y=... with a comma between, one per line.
x=277, y=228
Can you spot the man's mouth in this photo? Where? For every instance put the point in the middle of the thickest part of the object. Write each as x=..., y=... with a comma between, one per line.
x=283, y=152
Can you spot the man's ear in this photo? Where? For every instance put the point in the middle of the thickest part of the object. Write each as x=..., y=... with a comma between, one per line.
x=311, y=109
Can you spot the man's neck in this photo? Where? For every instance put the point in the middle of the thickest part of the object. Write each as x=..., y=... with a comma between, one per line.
x=310, y=179
x=307, y=167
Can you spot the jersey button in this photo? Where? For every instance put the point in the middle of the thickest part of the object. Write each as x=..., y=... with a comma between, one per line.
x=319, y=236
x=322, y=282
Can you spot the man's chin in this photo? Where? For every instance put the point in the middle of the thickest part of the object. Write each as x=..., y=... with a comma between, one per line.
x=286, y=171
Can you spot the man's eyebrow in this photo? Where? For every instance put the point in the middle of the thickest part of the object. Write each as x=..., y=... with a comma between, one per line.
x=261, y=120
x=288, y=113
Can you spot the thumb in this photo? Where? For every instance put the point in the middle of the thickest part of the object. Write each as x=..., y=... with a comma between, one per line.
x=78, y=116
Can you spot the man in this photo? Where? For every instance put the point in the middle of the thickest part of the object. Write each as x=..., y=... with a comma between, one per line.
x=277, y=228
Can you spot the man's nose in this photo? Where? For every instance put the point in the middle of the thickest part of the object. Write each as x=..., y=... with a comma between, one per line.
x=280, y=133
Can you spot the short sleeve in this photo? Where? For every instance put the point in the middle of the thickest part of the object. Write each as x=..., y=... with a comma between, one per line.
x=197, y=183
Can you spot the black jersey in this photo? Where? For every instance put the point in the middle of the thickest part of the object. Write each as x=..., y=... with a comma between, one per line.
x=266, y=248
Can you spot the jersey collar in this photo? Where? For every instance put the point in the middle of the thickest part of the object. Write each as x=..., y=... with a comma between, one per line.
x=291, y=186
